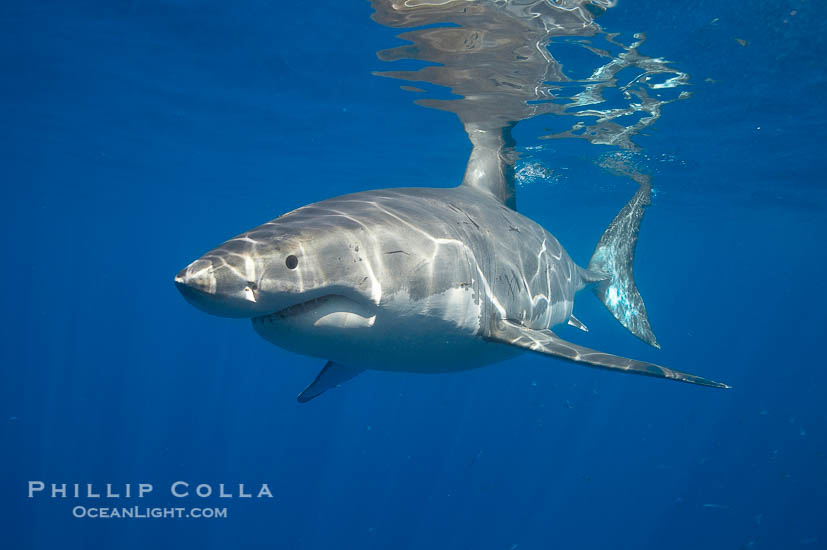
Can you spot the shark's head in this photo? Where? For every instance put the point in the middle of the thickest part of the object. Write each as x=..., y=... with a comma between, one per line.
x=293, y=260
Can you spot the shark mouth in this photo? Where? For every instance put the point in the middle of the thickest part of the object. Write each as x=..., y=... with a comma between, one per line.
x=298, y=309
x=327, y=310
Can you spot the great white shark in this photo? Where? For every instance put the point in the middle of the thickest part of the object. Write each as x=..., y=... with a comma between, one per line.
x=424, y=280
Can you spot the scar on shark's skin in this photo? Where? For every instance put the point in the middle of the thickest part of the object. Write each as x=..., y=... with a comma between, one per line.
x=470, y=219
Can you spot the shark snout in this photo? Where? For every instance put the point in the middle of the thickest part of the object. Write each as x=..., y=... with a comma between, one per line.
x=197, y=284
x=198, y=276
x=217, y=289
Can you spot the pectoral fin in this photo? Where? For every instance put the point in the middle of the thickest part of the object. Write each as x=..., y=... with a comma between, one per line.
x=331, y=376
x=548, y=343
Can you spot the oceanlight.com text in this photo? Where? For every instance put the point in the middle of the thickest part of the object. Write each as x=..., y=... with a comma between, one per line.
x=145, y=512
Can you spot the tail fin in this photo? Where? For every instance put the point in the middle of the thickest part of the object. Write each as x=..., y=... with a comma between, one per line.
x=614, y=256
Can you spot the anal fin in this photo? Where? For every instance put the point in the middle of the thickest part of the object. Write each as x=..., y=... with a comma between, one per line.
x=332, y=375
x=548, y=343
x=577, y=323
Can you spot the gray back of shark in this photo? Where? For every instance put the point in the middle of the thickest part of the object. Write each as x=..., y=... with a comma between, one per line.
x=423, y=279
x=415, y=278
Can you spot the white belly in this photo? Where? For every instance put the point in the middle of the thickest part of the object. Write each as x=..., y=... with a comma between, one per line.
x=438, y=333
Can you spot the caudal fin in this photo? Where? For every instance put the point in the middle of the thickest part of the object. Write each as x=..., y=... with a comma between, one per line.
x=614, y=257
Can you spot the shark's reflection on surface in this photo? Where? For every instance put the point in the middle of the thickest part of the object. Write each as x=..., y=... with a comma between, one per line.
x=509, y=61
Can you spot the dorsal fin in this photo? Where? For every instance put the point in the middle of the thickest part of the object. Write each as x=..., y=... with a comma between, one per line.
x=491, y=164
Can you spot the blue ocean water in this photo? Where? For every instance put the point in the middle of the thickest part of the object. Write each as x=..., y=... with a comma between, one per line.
x=137, y=135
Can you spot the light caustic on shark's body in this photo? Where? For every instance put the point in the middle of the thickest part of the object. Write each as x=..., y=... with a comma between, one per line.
x=421, y=280
x=424, y=279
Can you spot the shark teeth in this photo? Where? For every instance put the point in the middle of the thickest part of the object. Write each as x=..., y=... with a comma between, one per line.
x=297, y=309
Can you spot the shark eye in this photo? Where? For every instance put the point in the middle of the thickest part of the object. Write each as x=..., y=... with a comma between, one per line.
x=291, y=261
